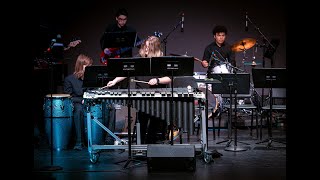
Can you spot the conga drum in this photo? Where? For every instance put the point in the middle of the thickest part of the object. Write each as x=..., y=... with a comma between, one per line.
x=58, y=108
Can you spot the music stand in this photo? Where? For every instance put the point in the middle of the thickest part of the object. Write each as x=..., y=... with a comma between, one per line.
x=269, y=78
x=270, y=50
x=232, y=83
x=127, y=67
x=135, y=66
x=119, y=39
x=172, y=66
x=95, y=76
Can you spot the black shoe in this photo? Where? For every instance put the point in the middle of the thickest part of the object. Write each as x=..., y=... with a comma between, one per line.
x=78, y=147
x=216, y=154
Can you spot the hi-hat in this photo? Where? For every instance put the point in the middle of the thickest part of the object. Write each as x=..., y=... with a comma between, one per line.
x=253, y=63
x=243, y=44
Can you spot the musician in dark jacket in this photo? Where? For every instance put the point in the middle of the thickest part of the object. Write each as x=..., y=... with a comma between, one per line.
x=120, y=26
x=73, y=86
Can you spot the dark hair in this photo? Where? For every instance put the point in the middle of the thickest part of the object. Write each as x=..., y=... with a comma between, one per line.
x=219, y=29
x=122, y=11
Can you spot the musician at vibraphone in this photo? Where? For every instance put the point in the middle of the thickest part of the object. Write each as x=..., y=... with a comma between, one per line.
x=149, y=123
x=151, y=47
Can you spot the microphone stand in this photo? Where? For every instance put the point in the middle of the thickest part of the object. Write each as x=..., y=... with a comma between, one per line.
x=51, y=167
x=264, y=39
x=262, y=35
x=165, y=39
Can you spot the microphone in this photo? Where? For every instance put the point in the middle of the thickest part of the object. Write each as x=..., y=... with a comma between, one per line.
x=246, y=28
x=212, y=55
x=182, y=21
x=53, y=41
x=56, y=42
x=211, y=58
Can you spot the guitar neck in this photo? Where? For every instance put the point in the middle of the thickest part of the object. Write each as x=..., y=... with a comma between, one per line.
x=121, y=50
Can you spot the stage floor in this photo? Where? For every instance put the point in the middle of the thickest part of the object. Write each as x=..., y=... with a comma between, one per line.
x=258, y=161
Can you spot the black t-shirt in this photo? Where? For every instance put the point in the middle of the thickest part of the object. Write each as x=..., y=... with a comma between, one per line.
x=223, y=53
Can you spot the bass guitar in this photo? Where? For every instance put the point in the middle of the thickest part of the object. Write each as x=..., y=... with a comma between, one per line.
x=115, y=52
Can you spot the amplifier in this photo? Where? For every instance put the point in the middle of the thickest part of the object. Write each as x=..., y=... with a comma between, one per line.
x=163, y=157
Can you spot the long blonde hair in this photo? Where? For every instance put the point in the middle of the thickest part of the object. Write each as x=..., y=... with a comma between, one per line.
x=79, y=66
x=152, y=49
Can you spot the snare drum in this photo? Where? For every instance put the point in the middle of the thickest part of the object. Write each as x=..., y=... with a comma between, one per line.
x=213, y=100
x=59, y=108
x=200, y=75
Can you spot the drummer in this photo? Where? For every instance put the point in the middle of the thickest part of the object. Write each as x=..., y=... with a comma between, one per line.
x=216, y=57
x=219, y=53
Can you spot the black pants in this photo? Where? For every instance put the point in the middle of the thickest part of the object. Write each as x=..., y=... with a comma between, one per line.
x=152, y=129
x=78, y=122
x=110, y=120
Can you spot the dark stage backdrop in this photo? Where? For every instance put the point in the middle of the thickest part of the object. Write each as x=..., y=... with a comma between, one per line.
x=87, y=20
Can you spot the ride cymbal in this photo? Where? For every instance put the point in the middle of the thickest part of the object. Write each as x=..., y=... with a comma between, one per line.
x=243, y=44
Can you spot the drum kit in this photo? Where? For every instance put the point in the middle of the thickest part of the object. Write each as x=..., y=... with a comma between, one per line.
x=240, y=46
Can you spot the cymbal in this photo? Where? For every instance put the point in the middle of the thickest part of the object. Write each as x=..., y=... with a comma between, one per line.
x=172, y=54
x=253, y=63
x=243, y=44
x=196, y=59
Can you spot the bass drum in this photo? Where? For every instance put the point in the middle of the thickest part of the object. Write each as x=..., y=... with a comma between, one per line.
x=221, y=69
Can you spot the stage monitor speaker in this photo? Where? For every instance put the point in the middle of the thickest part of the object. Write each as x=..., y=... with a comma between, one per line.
x=166, y=157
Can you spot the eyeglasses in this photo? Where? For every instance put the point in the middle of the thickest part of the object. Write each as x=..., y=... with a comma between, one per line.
x=120, y=19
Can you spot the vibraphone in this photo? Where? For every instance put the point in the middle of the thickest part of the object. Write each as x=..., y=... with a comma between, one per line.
x=156, y=102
